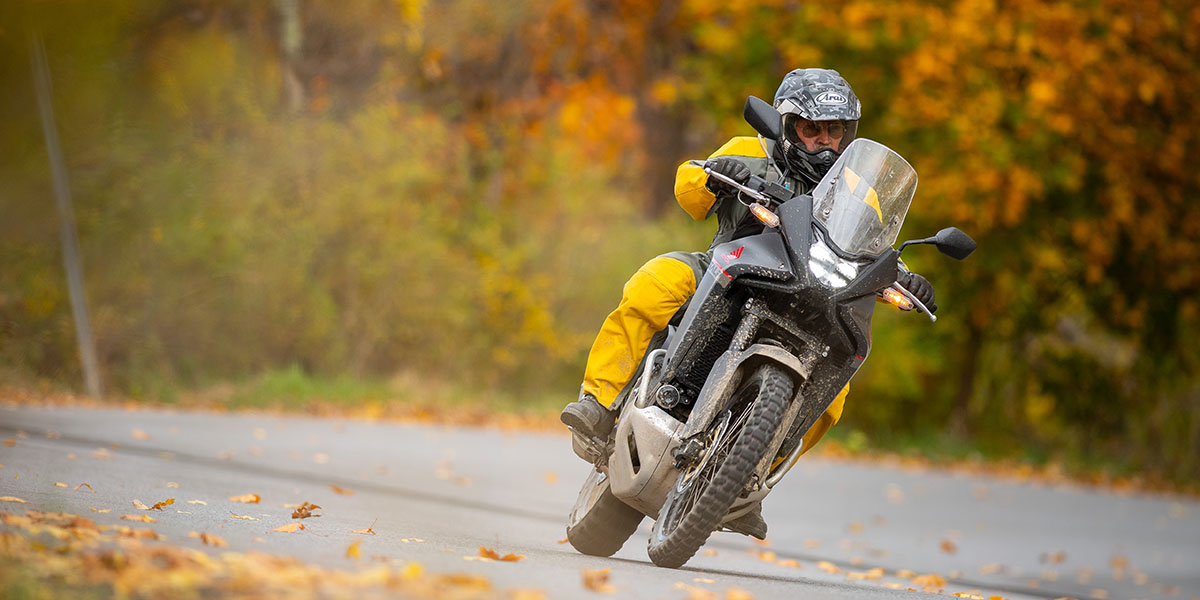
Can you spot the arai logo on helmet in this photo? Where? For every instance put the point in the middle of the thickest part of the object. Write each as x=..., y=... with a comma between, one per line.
x=830, y=98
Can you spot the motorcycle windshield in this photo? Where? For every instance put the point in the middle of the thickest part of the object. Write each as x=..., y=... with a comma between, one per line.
x=862, y=200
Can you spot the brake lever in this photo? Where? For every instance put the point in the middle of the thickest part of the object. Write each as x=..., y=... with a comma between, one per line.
x=920, y=305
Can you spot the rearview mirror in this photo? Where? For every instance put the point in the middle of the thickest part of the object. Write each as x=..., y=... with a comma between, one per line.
x=763, y=118
x=952, y=242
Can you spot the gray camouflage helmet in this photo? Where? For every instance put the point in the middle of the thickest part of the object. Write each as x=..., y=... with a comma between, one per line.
x=821, y=102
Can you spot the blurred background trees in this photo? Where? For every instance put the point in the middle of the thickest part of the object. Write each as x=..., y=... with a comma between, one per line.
x=459, y=189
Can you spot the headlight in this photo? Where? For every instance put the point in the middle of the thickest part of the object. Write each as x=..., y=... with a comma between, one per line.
x=827, y=267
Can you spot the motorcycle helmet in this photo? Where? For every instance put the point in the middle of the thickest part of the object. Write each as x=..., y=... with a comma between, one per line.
x=817, y=104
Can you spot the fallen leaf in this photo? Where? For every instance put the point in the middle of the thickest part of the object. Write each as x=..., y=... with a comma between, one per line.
x=488, y=553
x=141, y=518
x=102, y=454
x=138, y=434
x=1100, y=594
x=828, y=567
x=695, y=593
x=967, y=595
x=13, y=499
x=929, y=581
x=201, y=502
x=160, y=505
x=512, y=557
x=60, y=484
x=368, y=530
x=290, y=527
x=93, y=490
x=99, y=510
x=353, y=551
x=212, y=540
x=243, y=517
x=948, y=547
x=905, y=574
x=812, y=544
x=734, y=593
x=551, y=478
x=304, y=511
x=597, y=580
x=790, y=562
x=172, y=484
x=1119, y=562
x=321, y=458
x=413, y=540
x=246, y=499
x=10, y=442
x=564, y=540
x=855, y=527
x=706, y=552
x=1053, y=558
x=341, y=490
x=767, y=556
x=412, y=570
x=138, y=504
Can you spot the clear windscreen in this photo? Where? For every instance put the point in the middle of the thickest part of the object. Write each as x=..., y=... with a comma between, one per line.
x=862, y=200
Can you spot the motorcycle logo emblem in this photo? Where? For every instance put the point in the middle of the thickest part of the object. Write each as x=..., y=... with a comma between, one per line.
x=735, y=254
x=831, y=98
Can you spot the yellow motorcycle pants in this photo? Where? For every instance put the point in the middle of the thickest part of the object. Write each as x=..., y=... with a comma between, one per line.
x=648, y=303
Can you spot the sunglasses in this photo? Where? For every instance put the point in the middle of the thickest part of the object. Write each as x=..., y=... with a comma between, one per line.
x=812, y=129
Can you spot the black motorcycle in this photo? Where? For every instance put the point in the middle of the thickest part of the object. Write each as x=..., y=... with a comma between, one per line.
x=779, y=323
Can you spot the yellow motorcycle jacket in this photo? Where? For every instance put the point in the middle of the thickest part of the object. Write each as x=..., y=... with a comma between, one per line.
x=733, y=218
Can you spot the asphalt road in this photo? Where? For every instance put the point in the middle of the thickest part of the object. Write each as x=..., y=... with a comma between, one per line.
x=435, y=494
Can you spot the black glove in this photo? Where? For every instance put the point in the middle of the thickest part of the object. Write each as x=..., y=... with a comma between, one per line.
x=729, y=167
x=919, y=286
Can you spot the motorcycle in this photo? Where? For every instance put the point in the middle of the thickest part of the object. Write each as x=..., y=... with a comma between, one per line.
x=779, y=323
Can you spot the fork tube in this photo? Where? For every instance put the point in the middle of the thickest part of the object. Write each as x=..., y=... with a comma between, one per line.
x=748, y=327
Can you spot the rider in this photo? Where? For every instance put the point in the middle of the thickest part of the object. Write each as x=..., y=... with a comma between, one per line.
x=820, y=118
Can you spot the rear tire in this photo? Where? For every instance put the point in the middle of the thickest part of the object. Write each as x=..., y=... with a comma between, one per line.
x=600, y=523
x=702, y=495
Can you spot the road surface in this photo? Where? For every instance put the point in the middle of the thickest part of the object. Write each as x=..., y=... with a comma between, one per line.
x=434, y=494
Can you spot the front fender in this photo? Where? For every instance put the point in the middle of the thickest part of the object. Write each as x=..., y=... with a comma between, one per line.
x=725, y=375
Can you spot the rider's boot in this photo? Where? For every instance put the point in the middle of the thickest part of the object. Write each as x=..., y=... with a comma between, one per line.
x=751, y=523
x=588, y=418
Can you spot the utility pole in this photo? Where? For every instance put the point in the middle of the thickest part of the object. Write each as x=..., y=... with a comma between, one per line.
x=66, y=217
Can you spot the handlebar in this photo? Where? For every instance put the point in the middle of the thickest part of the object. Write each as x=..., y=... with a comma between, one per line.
x=766, y=193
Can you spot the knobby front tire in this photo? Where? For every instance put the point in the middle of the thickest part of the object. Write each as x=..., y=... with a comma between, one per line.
x=682, y=529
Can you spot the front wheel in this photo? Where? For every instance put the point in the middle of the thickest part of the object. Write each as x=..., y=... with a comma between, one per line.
x=600, y=523
x=734, y=444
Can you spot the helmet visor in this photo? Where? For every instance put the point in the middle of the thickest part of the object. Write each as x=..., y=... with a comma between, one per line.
x=813, y=136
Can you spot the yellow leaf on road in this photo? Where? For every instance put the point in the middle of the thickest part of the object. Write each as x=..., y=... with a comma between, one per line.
x=304, y=511
x=138, y=504
x=212, y=540
x=94, y=509
x=59, y=484
x=353, y=551
x=160, y=505
x=246, y=498
x=138, y=434
x=201, y=502
x=828, y=567
x=597, y=580
x=90, y=488
x=948, y=547
x=929, y=581
x=734, y=593
x=243, y=518
x=290, y=527
x=341, y=490
x=488, y=553
x=512, y=557
x=140, y=518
